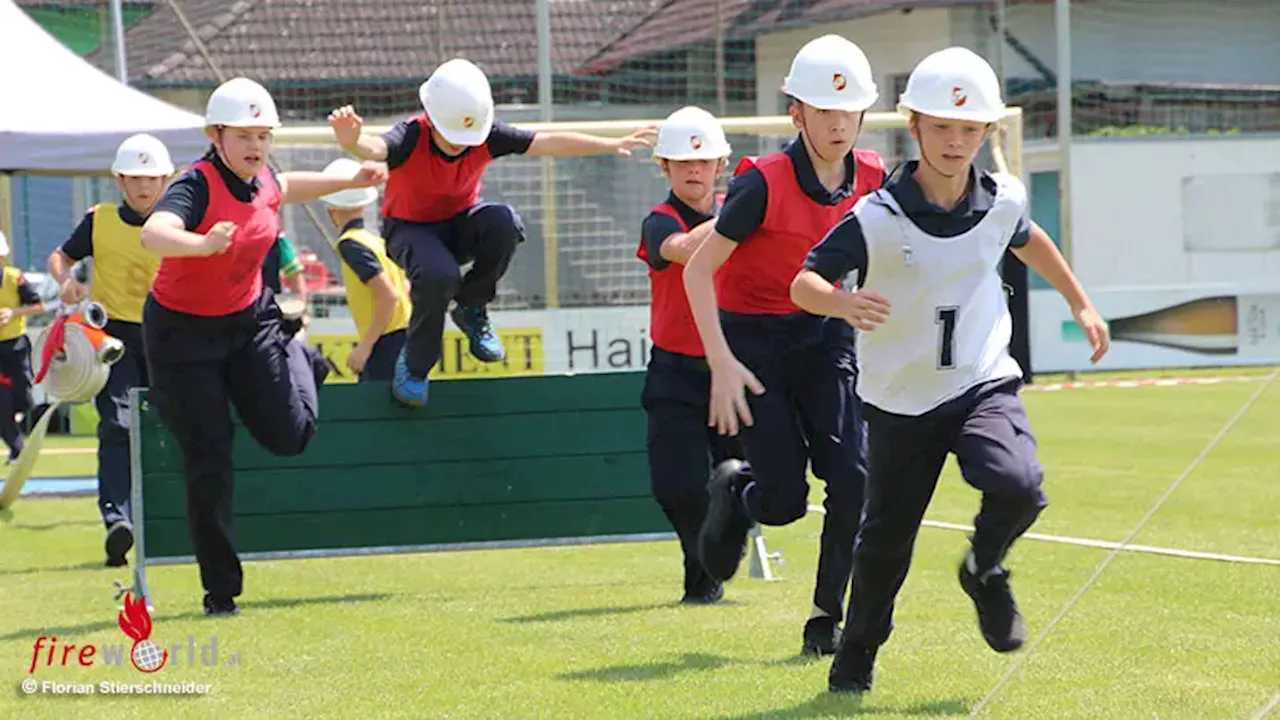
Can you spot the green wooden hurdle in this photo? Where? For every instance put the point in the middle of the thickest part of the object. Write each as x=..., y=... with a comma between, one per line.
x=502, y=462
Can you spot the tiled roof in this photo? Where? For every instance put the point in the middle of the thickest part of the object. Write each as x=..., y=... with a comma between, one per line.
x=340, y=41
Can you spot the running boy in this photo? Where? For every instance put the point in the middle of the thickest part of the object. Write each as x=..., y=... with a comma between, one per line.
x=935, y=372
x=433, y=218
x=376, y=289
x=123, y=271
x=692, y=152
x=212, y=331
x=800, y=368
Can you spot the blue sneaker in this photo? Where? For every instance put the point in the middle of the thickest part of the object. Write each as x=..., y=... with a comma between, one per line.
x=407, y=389
x=473, y=320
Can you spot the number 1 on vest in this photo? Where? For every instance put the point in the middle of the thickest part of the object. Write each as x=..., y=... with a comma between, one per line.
x=946, y=319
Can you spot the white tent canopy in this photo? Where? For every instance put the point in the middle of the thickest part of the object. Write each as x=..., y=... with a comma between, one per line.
x=59, y=113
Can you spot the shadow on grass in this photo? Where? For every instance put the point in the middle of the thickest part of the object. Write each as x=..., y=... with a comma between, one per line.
x=7, y=516
x=831, y=705
x=97, y=565
x=245, y=607
x=577, y=613
x=649, y=671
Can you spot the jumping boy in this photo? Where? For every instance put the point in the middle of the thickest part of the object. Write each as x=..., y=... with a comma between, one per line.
x=692, y=152
x=433, y=218
x=802, y=409
x=123, y=271
x=376, y=289
x=935, y=373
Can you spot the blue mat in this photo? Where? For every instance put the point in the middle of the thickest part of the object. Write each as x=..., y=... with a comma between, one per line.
x=60, y=486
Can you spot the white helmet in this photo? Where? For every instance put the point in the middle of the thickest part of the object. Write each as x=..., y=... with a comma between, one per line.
x=351, y=198
x=142, y=155
x=955, y=83
x=831, y=73
x=691, y=133
x=459, y=102
x=241, y=102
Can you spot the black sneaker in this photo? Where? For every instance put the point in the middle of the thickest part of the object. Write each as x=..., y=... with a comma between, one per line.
x=852, y=669
x=821, y=636
x=119, y=541
x=220, y=606
x=998, y=615
x=709, y=593
x=722, y=540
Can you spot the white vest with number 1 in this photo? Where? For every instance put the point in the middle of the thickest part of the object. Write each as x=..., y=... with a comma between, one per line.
x=949, y=328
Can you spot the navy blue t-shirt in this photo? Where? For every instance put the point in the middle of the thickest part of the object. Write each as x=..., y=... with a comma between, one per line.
x=657, y=227
x=188, y=196
x=357, y=255
x=80, y=244
x=503, y=139
x=844, y=249
x=748, y=196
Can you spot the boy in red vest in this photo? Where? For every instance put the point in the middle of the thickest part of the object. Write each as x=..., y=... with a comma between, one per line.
x=692, y=152
x=433, y=218
x=802, y=409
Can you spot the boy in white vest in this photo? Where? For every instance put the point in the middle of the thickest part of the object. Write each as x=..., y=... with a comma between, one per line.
x=934, y=369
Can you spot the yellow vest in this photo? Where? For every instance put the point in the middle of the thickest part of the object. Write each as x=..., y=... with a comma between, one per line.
x=123, y=269
x=361, y=299
x=9, y=299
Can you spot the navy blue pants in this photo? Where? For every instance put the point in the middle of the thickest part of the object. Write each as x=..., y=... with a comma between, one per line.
x=15, y=396
x=683, y=449
x=988, y=431
x=432, y=255
x=199, y=368
x=114, y=465
x=809, y=415
x=381, y=365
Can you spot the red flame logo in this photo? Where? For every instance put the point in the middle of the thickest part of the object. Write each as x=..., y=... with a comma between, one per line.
x=958, y=97
x=254, y=110
x=135, y=621
x=838, y=82
x=695, y=141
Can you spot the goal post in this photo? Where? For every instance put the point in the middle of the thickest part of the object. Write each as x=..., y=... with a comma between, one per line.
x=583, y=214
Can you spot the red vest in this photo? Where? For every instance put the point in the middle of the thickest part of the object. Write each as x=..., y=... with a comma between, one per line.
x=671, y=323
x=231, y=281
x=427, y=188
x=756, y=279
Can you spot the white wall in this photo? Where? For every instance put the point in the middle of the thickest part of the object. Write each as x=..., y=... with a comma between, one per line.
x=1176, y=212
x=1189, y=41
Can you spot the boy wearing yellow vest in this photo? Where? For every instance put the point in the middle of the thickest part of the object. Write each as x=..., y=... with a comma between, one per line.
x=123, y=271
x=18, y=300
x=376, y=289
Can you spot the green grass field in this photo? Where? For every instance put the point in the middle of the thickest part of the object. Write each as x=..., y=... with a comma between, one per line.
x=594, y=632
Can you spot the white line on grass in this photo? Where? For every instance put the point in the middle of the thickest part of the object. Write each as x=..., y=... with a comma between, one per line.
x=1275, y=702
x=1107, y=544
x=1022, y=659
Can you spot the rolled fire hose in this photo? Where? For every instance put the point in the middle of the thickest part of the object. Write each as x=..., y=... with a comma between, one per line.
x=74, y=356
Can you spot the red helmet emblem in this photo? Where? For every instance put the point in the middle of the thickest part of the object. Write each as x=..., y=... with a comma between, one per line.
x=144, y=158
x=958, y=97
x=695, y=141
x=254, y=110
x=838, y=82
